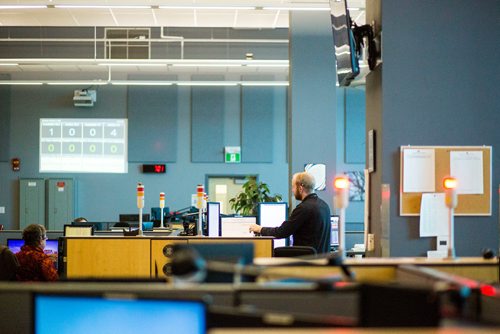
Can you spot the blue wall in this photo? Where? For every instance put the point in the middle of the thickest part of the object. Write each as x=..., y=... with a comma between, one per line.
x=101, y=197
x=440, y=59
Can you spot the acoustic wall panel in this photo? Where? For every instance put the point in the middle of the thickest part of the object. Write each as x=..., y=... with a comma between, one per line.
x=207, y=123
x=257, y=107
x=355, y=138
x=152, y=122
x=4, y=119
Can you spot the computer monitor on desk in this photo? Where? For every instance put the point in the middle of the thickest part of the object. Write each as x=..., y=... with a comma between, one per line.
x=238, y=227
x=75, y=313
x=334, y=237
x=51, y=247
x=213, y=219
x=156, y=216
x=80, y=230
x=273, y=215
x=133, y=217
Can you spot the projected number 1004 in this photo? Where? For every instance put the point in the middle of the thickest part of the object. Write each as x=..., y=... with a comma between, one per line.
x=82, y=139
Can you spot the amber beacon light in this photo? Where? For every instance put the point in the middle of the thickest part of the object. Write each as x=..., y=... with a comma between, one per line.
x=450, y=189
x=341, y=201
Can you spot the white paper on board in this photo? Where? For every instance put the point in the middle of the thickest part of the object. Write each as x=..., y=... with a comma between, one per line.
x=418, y=170
x=467, y=168
x=433, y=215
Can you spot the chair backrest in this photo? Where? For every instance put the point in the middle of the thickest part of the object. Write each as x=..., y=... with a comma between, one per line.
x=8, y=264
x=293, y=251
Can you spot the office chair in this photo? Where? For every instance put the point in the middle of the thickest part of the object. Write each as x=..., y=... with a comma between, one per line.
x=8, y=265
x=293, y=251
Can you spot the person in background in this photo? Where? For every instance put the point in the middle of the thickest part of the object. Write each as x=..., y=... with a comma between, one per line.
x=309, y=223
x=34, y=264
x=8, y=264
x=80, y=220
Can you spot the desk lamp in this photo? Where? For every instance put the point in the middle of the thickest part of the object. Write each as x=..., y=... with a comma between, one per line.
x=451, y=201
x=341, y=201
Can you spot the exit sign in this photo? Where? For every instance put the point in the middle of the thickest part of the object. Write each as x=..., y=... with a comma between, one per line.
x=232, y=154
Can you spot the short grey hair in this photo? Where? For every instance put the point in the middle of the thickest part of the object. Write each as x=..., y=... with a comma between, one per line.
x=306, y=180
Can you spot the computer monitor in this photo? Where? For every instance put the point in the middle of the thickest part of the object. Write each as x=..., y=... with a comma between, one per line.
x=133, y=217
x=232, y=252
x=99, y=314
x=273, y=215
x=80, y=230
x=237, y=226
x=334, y=238
x=98, y=226
x=213, y=219
x=51, y=247
x=156, y=216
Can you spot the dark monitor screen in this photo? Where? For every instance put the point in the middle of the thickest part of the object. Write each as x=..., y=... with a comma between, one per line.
x=334, y=239
x=133, y=217
x=98, y=226
x=51, y=247
x=156, y=216
x=97, y=314
x=234, y=253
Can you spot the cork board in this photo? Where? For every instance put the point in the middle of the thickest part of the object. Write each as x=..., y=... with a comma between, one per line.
x=468, y=204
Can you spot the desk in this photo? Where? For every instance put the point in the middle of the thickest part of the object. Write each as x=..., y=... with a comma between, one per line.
x=134, y=257
x=383, y=269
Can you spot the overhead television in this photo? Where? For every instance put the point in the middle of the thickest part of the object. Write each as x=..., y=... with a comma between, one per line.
x=344, y=43
x=75, y=313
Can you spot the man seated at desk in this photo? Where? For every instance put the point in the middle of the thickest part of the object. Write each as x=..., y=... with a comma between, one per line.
x=309, y=223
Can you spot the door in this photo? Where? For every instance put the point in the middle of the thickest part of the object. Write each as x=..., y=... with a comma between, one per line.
x=223, y=188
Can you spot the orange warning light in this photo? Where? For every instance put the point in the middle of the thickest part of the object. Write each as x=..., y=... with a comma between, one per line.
x=450, y=183
x=341, y=182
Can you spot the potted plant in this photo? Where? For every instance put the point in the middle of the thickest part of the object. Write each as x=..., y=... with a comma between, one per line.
x=246, y=202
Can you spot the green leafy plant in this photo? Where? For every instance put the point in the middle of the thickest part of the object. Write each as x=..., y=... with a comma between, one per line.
x=246, y=202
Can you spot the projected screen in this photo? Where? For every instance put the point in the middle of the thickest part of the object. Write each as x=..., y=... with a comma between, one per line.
x=237, y=226
x=273, y=215
x=86, y=145
x=213, y=219
x=89, y=314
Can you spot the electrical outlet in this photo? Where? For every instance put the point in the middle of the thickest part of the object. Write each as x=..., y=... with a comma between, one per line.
x=371, y=243
x=2, y=209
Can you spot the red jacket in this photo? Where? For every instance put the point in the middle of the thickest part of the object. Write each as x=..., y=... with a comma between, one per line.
x=35, y=265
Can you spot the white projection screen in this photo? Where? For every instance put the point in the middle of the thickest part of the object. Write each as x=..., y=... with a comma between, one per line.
x=87, y=145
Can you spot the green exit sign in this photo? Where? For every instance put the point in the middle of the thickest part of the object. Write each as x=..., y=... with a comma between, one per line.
x=232, y=155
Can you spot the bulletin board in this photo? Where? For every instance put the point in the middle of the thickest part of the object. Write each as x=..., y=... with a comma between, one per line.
x=478, y=204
